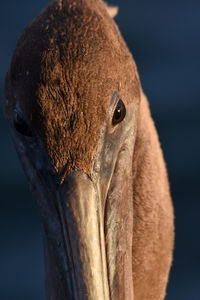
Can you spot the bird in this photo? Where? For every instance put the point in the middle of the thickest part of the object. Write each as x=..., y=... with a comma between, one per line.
x=83, y=131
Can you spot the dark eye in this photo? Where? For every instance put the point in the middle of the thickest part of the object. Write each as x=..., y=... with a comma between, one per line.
x=21, y=126
x=119, y=113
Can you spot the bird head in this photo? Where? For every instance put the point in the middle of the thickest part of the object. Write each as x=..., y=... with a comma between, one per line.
x=72, y=97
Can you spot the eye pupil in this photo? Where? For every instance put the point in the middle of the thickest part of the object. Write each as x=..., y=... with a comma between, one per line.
x=21, y=126
x=119, y=113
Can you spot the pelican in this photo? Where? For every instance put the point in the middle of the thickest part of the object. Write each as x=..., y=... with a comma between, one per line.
x=82, y=128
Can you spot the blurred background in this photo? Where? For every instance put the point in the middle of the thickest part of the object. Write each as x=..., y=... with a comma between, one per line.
x=164, y=37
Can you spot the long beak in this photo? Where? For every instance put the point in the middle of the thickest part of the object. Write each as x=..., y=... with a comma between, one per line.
x=87, y=222
x=83, y=253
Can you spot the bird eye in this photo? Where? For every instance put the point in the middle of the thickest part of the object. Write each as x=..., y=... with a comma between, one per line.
x=119, y=113
x=21, y=126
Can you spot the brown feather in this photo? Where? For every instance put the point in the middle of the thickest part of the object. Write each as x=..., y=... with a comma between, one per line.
x=65, y=68
x=76, y=58
x=153, y=236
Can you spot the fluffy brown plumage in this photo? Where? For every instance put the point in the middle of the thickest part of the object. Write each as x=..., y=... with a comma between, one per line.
x=79, y=57
x=153, y=213
x=73, y=54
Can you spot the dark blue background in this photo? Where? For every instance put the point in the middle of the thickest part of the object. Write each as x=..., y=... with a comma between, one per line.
x=164, y=37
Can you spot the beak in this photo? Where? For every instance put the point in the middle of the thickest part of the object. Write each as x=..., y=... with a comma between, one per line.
x=87, y=221
x=80, y=254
